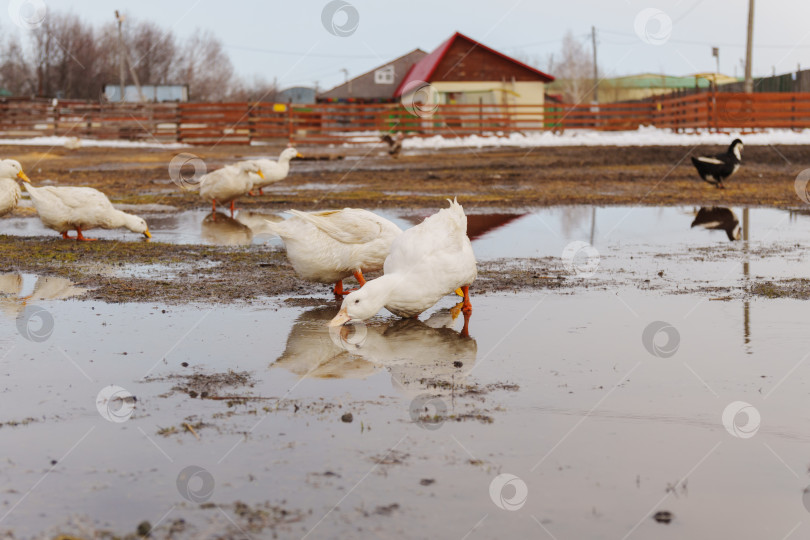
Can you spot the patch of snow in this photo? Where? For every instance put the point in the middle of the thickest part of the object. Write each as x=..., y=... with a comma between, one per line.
x=85, y=143
x=644, y=136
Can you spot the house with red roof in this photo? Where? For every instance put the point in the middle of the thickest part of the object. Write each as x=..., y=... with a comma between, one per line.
x=464, y=71
x=376, y=85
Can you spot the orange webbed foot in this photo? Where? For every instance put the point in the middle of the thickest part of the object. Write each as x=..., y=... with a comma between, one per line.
x=81, y=238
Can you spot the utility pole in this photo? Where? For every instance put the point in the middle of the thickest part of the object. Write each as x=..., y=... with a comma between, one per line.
x=595, y=69
x=749, y=47
x=121, y=68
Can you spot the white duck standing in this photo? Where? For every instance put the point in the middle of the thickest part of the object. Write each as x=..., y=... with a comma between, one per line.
x=227, y=184
x=274, y=171
x=65, y=208
x=426, y=262
x=10, y=171
x=328, y=247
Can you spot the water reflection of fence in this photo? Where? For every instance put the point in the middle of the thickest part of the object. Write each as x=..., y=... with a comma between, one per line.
x=245, y=123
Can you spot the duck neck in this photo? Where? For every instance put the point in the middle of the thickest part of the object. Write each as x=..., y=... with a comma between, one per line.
x=382, y=288
x=122, y=219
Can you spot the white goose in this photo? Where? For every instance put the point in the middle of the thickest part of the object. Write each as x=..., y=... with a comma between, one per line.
x=66, y=208
x=274, y=171
x=426, y=262
x=10, y=194
x=328, y=247
x=227, y=184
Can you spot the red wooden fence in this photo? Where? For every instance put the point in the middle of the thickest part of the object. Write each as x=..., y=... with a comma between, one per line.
x=245, y=123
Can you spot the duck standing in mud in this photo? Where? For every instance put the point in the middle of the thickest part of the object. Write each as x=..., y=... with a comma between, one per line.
x=427, y=262
x=715, y=169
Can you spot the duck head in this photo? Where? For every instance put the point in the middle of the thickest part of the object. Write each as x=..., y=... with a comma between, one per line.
x=364, y=303
x=288, y=154
x=11, y=168
x=736, y=148
x=251, y=167
x=137, y=225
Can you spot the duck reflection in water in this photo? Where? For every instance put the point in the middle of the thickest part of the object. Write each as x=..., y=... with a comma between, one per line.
x=222, y=230
x=417, y=354
x=718, y=218
x=12, y=303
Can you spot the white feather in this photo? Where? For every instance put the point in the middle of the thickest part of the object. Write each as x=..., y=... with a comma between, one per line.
x=66, y=208
x=713, y=161
x=326, y=247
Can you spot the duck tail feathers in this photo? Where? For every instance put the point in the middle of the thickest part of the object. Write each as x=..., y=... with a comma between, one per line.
x=456, y=214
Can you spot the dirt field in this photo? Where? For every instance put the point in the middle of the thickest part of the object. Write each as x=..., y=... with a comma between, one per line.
x=229, y=369
x=503, y=179
x=366, y=177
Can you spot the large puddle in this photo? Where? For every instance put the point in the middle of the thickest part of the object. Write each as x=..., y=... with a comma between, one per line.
x=533, y=233
x=604, y=406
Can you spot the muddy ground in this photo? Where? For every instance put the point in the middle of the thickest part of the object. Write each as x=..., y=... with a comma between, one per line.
x=203, y=392
x=366, y=177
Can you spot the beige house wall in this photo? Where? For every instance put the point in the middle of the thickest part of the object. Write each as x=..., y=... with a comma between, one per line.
x=496, y=93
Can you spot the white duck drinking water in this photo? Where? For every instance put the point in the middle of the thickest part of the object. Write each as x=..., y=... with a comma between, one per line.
x=328, y=247
x=66, y=208
x=274, y=171
x=426, y=262
x=227, y=184
x=10, y=171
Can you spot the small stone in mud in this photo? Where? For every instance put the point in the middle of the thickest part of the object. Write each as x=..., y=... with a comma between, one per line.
x=192, y=394
x=184, y=364
x=347, y=417
x=144, y=528
x=458, y=364
x=663, y=516
x=386, y=510
x=427, y=481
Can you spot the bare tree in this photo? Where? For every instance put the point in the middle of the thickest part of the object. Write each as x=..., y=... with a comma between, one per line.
x=16, y=75
x=152, y=52
x=574, y=71
x=259, y=89
x=65, y=57
x=205, y=67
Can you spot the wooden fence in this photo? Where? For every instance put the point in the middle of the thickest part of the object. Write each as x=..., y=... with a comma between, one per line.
x=245, y=123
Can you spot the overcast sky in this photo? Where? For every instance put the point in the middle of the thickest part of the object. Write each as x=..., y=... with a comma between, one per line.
x=288, y=40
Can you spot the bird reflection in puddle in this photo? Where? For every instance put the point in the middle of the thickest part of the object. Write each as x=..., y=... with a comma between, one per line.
x=417, y=354
x=12, y=302
x=717, y=218
x=222, y=230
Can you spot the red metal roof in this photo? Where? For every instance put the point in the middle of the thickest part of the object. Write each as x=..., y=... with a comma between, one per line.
x=426, y=67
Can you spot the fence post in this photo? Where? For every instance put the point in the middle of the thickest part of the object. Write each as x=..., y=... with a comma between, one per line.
x=289, y=123
x=178, y=120
x=250, y=121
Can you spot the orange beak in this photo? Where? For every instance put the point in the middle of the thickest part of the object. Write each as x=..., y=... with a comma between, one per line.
x=340, y=319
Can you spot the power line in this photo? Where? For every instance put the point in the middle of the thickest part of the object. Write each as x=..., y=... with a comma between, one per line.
x=303, y=53
x=693, y=42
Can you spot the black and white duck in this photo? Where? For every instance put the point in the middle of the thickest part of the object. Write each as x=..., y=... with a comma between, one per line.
x=715, y=169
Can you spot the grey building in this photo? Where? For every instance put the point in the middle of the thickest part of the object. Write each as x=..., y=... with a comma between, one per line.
x=151, y=93
x=377, y=85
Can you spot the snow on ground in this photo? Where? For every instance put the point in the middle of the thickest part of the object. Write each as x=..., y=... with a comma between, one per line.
x=644, y=136
x=61, y=141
